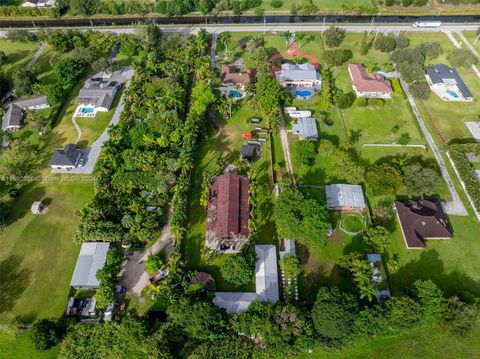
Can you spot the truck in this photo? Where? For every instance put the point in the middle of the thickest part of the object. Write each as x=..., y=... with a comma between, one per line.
x=427, y=24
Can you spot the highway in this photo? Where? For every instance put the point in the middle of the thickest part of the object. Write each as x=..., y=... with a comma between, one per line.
x=193, y=29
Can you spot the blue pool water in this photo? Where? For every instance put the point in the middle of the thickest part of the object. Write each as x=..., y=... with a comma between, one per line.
x=86, y=110
x=452, y=93
x=303, y=93
x=234, y=93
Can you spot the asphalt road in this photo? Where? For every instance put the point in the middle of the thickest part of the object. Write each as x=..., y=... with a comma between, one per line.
x=193, y=29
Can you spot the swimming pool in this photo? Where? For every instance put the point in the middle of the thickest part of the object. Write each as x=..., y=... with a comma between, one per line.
x=303, y=93
x=86, y=110
x=235, y=93
x=452, y=93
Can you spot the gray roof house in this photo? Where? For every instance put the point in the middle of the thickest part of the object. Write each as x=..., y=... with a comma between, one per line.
x=266, y=283
x=249, y=151
x=299, y=75
x=99, y=90
x=13, y=116
x=345, y=197
x=447, y=83
x=92, y=257
x=306, y=128
x=66, y=158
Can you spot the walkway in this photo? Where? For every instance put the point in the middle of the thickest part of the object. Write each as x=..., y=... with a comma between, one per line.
x=455, y=206
x=91, y=154
x=286, y=149
x=469, y=45
x=292, y=51
x=133, y=275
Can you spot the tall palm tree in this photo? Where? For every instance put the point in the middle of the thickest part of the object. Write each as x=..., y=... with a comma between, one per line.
x=286, y=35
x=225, y=39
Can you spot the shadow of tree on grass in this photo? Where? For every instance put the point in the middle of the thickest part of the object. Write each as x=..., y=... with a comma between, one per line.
x=14, y=280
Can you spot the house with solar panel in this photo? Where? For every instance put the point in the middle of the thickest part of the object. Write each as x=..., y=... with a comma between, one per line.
x=345, y=197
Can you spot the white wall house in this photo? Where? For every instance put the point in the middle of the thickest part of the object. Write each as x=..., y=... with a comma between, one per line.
x=369, y=85
x=298, y=75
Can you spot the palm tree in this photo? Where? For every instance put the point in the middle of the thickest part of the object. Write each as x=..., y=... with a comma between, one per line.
x=286, y=35
x=225, y=39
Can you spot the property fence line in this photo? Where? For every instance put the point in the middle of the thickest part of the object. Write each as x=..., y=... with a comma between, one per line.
x=391, y=145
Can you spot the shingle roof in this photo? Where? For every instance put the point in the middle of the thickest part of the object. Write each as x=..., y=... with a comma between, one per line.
x=31, y=102
x=12, y=117
x=92, y=257
x=364, y=82
x=440, y=74
x=249, y=151
x=306, y=127
x=228, y=208
x=421, y=220
x=345, y=195
x=99, y=90
x=65, y=157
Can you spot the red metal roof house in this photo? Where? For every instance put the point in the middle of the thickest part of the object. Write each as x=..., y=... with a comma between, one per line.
x=228, y=213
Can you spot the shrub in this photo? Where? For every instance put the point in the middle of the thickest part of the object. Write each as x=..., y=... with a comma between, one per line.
x=291, y=266
x=304, y=152
x=361, y=102
x=378, y=102
x=377, y=239
x=236, y=271
x=430, y=50
x=382, y=215
x=153, y=264
x=44, y=334
x=337, y=57
x=404, y=139
x=346, y=100
x=461, y=58
x=458, y=153
x=459, y=317
x=276, y=3
x=385, y=43
x=333, y=36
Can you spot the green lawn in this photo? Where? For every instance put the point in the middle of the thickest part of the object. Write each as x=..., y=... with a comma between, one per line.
x=38, y=255
x=323, y=5
x=471, y=37
x=20, y=346
x=18, y=53
x=225, y=142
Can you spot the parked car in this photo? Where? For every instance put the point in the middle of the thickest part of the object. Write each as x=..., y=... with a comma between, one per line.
x=81, y=162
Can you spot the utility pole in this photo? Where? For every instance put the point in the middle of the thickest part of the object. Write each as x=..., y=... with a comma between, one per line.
x=34, y=26
x=323, y=25
x=371, y=24
x=264, y=25
x=91, y=24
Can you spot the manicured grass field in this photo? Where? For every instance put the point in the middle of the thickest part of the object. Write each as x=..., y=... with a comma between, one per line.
x=471, y=37
x=226, y=142
x=18, y=54
x=20, y=346
x=323, y=5
x=38, y=255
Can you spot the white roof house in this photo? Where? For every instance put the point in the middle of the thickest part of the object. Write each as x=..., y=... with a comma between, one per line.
x=302, y=75
x=92, y=257
x=345, y=197
x=266, y=283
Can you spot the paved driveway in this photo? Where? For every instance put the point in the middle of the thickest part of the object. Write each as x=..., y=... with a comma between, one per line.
x=91, y=154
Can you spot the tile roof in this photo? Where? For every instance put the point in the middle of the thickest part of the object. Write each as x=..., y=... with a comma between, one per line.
x=228, y=206
x=229, y=74
x=440, y=74
x=421, y=220
x=364, y=82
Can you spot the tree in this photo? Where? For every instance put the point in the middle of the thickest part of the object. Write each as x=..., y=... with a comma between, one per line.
x=365, y=45
x=411, y=72
x=431, y=299
x=459, y=317
x=383, y=178
x=225, y=39
x=83, y=7
x=38, y=122
x=67, y=71
x=421, y=181
x=333, y=313
x=333, y=36
x=3, y=59
x=420, y=90
x=412, y=56
x=385, y=43
x=267, y=100
x=377, y=239
x=337, y=57
x=299, y=218
x=286, y=35
x=24, y=80
x=44, y=334
x=103, y=65
x=290, y=266
x=199, y=320
x=361, y=271
x=382, y=215
x=236, y=271
x=430, y=49
x=461, y=58
x=346, y=100
x=403, y=312
x=153, y=264
x=402, y=42
x=304, y=152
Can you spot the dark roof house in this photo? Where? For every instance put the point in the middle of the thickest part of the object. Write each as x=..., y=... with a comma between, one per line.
x=446, y=77
x=13, y=116
x=250, y=151
x=100, y=89
x=228, y=213
x=230, y=75
x=421, y=220
x=67, y=157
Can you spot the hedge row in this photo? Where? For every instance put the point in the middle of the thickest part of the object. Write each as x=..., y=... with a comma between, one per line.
x=458, y=153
